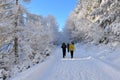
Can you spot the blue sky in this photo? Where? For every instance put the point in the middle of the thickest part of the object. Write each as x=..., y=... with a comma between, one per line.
x=58, y=8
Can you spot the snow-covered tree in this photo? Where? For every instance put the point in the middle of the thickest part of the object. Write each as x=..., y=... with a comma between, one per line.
x=29, y=36
x=95, y=20
x=52, y=28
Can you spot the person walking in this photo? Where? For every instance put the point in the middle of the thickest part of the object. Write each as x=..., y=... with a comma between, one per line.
x=63, y=49
x=72, y=49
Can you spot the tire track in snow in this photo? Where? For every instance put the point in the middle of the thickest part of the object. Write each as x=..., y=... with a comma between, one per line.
x=75, y=70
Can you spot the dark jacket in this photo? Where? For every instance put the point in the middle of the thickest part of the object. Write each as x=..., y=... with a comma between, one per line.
x=63, y=46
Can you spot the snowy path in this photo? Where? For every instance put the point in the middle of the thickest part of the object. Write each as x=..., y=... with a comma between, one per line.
x=80, y=68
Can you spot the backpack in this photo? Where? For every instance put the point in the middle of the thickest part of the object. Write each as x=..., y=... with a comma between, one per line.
x=71, y=47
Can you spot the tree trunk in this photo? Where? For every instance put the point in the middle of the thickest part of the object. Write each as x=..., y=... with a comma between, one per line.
x=16, y=37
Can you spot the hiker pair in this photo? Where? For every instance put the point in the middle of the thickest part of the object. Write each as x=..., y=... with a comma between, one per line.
x=70, y=48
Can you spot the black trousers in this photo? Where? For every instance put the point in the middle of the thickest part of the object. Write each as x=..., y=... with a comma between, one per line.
x=71, y=52
x=64, y=53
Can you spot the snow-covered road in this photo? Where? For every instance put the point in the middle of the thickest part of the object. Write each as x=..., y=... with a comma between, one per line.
x=82, y=67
